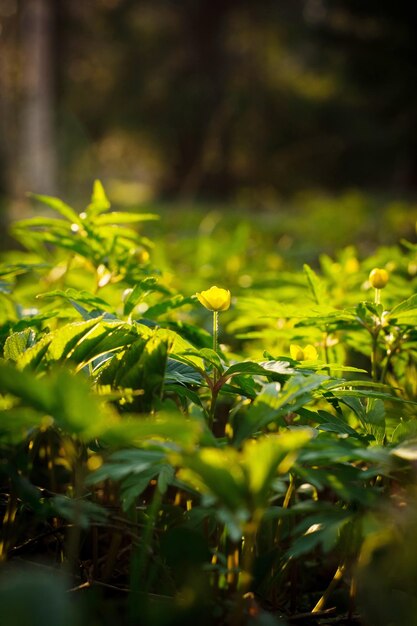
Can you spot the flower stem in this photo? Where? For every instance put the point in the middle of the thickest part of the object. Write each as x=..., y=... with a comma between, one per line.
x=215, y=330
x=374, y=357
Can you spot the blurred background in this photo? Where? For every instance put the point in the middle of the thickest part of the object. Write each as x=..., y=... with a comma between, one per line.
x=272, y=107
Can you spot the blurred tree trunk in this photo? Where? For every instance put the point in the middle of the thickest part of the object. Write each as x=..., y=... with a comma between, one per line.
x=6, y=113
x=203, y=147
x=37, y=155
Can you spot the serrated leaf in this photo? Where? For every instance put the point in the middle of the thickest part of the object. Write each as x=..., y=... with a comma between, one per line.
x=168, y=305
x=405, y=431
x=142, y=288
x=323, y=529
x=99, y=200
x=405, y=312
x=73, y=295
x=316, y=285
x=18, y=343
x=259, y=369
x=273, y=403
x=208, y=355
x=181, y=373
x=329, y=422
x=102, y=339
x=375, y=419
x=56, y=345
x=58, y=205
x=142, y=367
x=182, y=392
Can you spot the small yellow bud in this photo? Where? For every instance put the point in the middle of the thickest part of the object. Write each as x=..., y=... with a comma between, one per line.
x=94, y=462
x=309, y=353
x=215, y=299
x=378, y=278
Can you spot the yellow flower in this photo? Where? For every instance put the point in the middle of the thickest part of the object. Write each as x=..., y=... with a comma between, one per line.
x=215, y=299
x=378, y=278
x=309, y=353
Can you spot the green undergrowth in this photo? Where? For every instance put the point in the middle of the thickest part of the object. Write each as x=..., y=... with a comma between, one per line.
x=151, y=475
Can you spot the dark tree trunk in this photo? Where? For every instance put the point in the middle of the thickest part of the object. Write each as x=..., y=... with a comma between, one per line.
x=37, y=156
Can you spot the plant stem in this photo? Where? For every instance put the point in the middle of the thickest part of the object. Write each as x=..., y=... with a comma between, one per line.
x=74, y=532
x=285, y=505
x=374, y=356
x=140, y=555
x=214, y=390
x=390, y=353
x=215, y=330
x=386, y=366
x=332, y=586
x=377, y=296
x=325, y=346
x=248, y=556
x=8, y=521
x=214, y=393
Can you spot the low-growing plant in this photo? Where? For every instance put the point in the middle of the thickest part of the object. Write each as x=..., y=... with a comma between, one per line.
x=232, y=482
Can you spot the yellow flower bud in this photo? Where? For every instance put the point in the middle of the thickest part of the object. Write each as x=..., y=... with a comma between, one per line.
x=378, y=278
x=215, y=299
x=309, y=353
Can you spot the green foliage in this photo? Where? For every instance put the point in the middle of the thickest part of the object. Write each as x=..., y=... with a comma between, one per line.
x=118, y=420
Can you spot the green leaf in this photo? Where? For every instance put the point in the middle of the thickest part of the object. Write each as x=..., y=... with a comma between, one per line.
x=18, y=343
x=163, y=426
x=407, y=450
x=268, y=456
x=134, y=469
x=328, y=422
x=266, y=368
x=102, y=339
x=117, y=217
x=208, y=355
x=167, y=305
x=58, y=205
x=375, y=419
x=79, y=342
x=99, y=200
x=273, y=403
x=405, y=312
x=181, y=373
x=73, y=295
x=219, y=472
x=64, y=397
x=138, y=292
x=38, y=240
x=81, y=512
x=142, y=367
x=322, y=529
x=316, y=285
x=405, y=431
x=51, y=223
x=181, y=392
x=25, y=386
x=16, y=423
x=56, y=345
x=372, y=415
